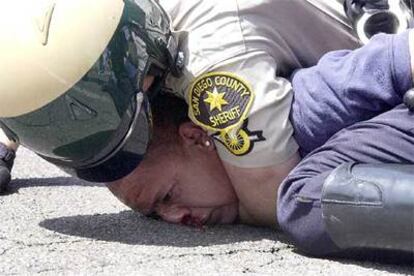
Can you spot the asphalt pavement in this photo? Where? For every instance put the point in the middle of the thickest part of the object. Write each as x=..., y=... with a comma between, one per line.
x=52, y=224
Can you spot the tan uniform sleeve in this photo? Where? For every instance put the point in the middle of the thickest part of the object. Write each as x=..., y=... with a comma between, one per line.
x=245, y=107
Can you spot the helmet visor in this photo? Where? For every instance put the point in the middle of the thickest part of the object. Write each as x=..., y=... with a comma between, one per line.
x=98, y=146
x=123, y=158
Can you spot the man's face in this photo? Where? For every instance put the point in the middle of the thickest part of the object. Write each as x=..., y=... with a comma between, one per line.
x=187, y=185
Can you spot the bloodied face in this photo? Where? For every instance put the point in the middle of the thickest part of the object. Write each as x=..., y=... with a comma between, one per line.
x=182, y=180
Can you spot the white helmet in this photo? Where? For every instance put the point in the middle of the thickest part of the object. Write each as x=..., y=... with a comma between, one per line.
x=71, y=79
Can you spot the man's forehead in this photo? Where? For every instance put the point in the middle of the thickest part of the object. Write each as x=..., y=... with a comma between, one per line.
x=136, y=191
x=146, y=191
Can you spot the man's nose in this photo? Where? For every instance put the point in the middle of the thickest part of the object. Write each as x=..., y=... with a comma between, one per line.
x=173, y=213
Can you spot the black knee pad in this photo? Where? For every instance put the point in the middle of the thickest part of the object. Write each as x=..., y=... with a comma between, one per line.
x=370, y=206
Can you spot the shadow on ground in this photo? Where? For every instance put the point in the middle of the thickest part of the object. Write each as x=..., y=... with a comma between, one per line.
x=129, y=227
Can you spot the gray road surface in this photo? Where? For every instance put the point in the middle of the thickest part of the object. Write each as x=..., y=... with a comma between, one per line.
x=52, y=224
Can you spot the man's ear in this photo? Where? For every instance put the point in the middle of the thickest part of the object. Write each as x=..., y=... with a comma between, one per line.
x=193, y=135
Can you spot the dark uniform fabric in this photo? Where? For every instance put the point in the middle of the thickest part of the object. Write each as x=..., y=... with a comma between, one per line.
x=348, y=108
x=6, y=163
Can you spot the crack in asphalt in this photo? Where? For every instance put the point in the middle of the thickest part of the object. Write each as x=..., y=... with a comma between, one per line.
x=272, y=250
x=50, y=243
x=231, y=252
x=4, y=251
x=23, y=244
x=47, y=270
x=150, y=257
x=249, y=270
x=270, y=262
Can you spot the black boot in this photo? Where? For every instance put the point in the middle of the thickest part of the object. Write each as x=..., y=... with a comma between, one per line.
x=368, y=206
x=6, y=163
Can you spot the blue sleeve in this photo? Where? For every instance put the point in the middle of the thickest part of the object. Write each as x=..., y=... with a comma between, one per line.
x=347, y=86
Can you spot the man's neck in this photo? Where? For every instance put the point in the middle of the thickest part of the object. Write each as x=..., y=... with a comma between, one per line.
x=257, y=190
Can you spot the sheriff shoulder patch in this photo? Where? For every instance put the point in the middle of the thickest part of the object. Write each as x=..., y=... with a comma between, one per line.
x=219, y=101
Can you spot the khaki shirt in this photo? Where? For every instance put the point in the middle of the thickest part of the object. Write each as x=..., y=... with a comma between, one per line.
x=238, y=56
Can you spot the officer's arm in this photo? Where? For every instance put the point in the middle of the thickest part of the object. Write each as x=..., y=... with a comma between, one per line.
x=245, y=107
x=252, y=183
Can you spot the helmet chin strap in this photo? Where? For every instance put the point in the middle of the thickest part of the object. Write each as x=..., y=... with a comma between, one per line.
x=176, y=58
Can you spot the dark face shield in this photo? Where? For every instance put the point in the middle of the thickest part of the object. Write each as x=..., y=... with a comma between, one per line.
x=126, y=156
x=96, y=142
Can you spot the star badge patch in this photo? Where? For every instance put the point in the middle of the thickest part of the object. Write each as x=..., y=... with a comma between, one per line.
x=219, y=101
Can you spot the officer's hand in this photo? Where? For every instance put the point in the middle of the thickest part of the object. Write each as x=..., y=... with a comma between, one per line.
x=6, y=163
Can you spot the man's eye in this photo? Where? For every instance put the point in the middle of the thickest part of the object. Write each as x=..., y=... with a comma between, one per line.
x=167, y=197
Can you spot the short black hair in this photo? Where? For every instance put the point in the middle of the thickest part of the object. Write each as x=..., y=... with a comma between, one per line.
x=168, y=111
